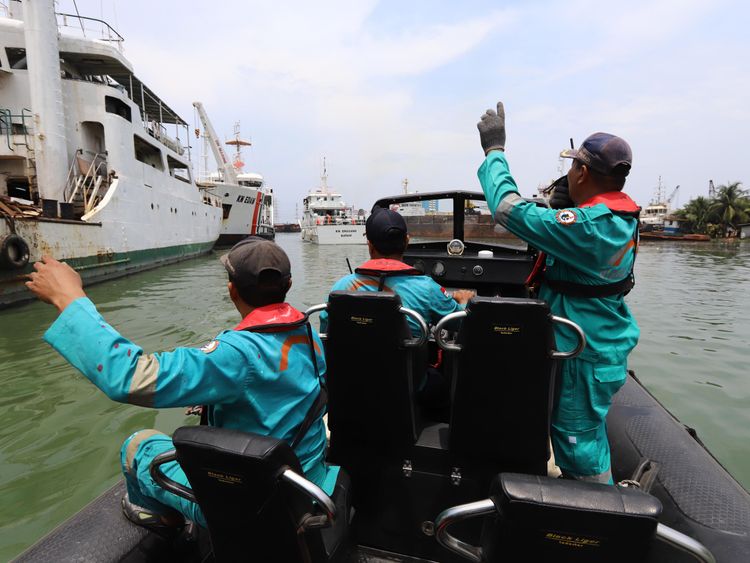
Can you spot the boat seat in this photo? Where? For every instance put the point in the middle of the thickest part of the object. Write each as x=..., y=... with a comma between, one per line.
x=255, y=498
x=371, y=357
x=534, y=518
x=503, y=385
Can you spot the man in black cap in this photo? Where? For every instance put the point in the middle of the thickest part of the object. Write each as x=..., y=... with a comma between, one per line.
x=251, y=378
x=588, y=242
x=387, y=238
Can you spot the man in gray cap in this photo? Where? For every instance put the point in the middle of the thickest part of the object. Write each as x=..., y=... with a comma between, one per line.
x=588, y=242
x=262, y=376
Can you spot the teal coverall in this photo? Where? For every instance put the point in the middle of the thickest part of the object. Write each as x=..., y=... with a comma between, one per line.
x=254, y=382
x=588, y=245
x=419, y=293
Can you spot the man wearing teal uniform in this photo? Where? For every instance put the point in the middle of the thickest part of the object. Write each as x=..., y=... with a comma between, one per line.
x=263, y=376
x=387, y=239
x=589, y=246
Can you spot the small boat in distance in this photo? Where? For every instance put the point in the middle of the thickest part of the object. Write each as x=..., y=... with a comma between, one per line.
x=327, y=219
x=247, y=203
x=655, y=213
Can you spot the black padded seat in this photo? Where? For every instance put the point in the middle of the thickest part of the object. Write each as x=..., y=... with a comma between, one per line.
x=534, y=518
x=370, y=371
x=503, y=384
x=545, y=519
x=252, y=511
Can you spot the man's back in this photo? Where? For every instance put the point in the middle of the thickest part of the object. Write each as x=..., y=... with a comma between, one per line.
x=417, y=291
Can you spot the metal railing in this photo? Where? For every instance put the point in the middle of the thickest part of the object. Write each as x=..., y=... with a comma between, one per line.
x=9, y=128
x=87, y=183
x=94, y=26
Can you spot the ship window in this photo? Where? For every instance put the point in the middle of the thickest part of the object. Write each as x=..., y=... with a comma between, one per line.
x=147, y=153
x=178, y=169
x=227, y=207
x=16, y=58
x=118, y=107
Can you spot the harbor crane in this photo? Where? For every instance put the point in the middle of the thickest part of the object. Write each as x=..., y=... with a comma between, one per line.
x=674, y=193
x=230, y=174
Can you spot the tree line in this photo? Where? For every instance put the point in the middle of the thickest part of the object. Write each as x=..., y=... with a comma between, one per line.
x=716, y=216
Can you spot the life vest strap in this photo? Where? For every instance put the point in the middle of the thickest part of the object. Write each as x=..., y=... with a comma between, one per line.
x=573, y=289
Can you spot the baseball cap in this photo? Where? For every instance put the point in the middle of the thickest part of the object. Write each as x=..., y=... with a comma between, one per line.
x=253, y=256
x=385, y=229
x=605, y=153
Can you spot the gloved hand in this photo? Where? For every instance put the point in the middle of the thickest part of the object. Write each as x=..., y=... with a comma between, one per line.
x=492, y=129
x=560, y=198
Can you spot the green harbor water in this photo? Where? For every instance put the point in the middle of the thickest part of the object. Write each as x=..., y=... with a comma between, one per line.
x=60, y=436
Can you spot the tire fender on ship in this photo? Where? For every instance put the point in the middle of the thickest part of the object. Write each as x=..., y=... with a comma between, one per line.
x=14, y=252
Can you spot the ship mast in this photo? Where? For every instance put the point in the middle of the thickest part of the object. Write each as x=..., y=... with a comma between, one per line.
x=238, y=143
x=324, y=178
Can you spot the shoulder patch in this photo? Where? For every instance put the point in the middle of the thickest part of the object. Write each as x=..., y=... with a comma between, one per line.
x=210, y=347
x=445, y=292
x=566, y=217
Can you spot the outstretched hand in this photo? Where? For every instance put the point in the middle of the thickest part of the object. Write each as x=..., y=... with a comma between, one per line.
x=492, y=129
x=55, y=283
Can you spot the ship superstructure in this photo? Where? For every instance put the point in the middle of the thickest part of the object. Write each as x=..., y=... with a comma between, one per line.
x=247, y=202
x=94, y=167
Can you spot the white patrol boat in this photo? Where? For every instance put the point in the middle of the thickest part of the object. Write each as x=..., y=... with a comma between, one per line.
x=247, y=202
x=89, y=171
x=328, y=220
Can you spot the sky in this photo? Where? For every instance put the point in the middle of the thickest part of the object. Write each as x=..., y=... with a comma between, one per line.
x=387, y=90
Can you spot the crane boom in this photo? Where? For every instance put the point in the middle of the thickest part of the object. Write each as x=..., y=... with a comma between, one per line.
x=230, y=176
x=674, y=193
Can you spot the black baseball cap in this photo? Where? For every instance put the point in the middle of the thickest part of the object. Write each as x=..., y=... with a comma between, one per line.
x=605, y=153
x=253, y=256
x=386, y=230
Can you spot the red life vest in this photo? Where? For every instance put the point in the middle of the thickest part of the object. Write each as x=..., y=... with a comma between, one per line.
x=383, y=268
x=277, y=317
x=618, y=203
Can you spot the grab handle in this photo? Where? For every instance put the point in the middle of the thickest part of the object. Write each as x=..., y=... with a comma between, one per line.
x=579, y=333
x=317, y=309
x=445, y=345
x=416, y=342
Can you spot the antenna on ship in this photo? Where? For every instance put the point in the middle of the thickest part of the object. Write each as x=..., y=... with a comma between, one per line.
x=405, y=183
x=324, y=177
x=238, y=143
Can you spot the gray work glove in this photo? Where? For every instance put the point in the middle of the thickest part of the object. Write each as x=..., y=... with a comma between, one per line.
x=560, y=198
x=492, y=129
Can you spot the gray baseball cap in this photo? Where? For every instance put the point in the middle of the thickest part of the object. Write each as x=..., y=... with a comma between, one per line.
x=607, y=154
x=253, y=256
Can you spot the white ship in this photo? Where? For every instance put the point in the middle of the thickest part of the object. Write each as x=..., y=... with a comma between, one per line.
x=654, y=214
x=409, y=208
x=247, y=202
x=327, y=219
x=89, y=172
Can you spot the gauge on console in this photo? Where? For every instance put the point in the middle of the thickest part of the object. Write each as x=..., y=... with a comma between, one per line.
x=438, y=269
x=456, y=247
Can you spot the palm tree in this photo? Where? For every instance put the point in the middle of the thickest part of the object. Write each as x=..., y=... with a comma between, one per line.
x=730, y=204
x=696, y=214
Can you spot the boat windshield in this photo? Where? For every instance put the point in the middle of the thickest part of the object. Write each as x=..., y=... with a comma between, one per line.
x=430, y=217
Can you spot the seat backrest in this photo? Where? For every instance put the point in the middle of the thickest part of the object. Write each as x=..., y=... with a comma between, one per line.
x=251, y=513
x=546, y=519
x=535, y=518
x=369, y=373
x=503, y=385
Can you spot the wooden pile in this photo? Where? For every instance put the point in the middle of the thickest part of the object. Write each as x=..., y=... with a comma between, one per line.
x=14, y=208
